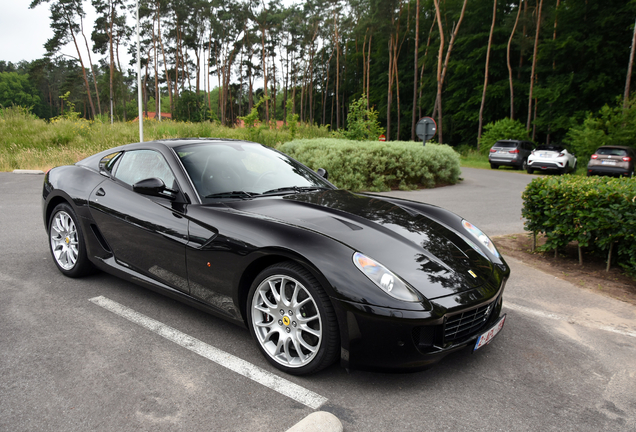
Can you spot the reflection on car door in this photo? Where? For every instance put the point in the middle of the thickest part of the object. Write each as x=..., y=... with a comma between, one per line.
x=147, y=234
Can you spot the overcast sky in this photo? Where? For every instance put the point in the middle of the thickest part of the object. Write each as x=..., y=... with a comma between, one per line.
x=24, y=31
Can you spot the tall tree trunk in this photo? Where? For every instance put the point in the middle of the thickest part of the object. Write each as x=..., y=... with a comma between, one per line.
x=523, y=37
x=438, y=105
x=157, y=94
x=534, y=64
x=79, y=56
x=111, y=65
x=417, y=41
x=450, y=48
x=90, y=62
x=337, y=70
x=165, y=63
x=629, y=71
x=369, y=70
x=483, y=95
x=512, y=90
x=389, y=93
x=264, y=74
x=428, y=44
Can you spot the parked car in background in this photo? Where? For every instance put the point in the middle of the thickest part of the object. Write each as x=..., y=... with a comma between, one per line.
x=511, y=153
x=612, y=161
x=551, y=157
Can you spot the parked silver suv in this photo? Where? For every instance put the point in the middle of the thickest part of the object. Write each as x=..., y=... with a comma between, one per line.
x=510, y=152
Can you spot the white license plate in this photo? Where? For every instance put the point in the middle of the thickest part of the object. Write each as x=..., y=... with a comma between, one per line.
x=490, y=334
x=608, y=162
x=545, y=155
x=502, y=151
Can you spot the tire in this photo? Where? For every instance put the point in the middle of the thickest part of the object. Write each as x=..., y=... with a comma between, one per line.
x=66, y=242
x=566, y=169
x=529, y=170
x=524, y=165
x=493, y=166
x=292, y=320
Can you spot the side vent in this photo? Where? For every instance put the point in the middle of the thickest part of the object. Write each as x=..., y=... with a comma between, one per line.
x=100, y=238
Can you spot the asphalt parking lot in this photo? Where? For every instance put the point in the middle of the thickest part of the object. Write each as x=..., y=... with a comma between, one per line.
x=565, y=360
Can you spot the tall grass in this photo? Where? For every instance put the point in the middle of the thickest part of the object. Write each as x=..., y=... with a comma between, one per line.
x=27, y=142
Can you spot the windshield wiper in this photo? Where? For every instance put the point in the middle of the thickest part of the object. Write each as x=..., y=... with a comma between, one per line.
x=233, y=194
x=294, y=189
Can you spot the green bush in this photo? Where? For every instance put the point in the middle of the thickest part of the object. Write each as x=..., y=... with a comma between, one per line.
x=376, y=166
x=596, y=212
x=610, y=126
x=501, y=129
x=362, y=123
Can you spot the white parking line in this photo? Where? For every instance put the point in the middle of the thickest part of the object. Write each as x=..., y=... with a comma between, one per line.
x=240, y=366
x=571, y=320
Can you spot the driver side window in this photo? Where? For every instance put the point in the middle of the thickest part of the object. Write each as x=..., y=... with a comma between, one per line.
x=139, y=165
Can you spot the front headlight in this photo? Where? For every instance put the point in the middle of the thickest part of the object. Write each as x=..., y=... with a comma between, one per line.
x=481, y=237
x=386, y=280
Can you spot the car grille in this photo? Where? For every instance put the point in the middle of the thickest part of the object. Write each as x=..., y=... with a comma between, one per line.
x=467, y=323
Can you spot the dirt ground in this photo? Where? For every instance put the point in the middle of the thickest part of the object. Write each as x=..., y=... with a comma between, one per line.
x=591, y=275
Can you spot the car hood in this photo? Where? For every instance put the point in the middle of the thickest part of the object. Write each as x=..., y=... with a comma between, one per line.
x=434, y=259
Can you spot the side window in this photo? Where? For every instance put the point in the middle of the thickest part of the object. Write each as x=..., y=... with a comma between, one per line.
x=139, y=165
x=108, y=163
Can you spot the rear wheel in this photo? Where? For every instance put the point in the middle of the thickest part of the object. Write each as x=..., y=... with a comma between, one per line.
x=524, y=165
x=493, y=166
x=566, y=169
x=292, y=320
x=66, y=241
x=529, y=170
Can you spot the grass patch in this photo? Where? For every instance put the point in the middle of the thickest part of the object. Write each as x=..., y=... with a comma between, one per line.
x=27, y=142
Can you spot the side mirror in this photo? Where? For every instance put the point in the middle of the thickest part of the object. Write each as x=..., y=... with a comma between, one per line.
x=323, y=173
x=154, y=187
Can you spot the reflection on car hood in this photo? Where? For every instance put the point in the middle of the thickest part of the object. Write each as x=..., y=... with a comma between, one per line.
x=434, y=259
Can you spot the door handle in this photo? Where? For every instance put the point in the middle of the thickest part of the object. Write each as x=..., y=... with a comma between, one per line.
x=100, y=192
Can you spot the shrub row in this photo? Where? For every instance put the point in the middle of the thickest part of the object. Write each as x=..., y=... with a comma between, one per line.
x=598, y=213
x=375, y=166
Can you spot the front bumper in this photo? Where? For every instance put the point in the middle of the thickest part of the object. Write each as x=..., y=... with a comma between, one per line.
x=399, y=340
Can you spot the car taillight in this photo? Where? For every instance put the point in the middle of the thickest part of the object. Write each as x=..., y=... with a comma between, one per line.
x=514, y=151
x=627, y=159
x=492, y=150
x=561, y=154
x=594, y=156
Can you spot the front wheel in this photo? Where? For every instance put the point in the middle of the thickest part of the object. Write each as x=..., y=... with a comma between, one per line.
x=67, y=244
x=292, y=320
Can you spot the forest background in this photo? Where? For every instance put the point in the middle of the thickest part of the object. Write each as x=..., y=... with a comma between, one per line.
x=549, y=64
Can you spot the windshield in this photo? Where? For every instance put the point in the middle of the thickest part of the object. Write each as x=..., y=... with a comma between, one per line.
x=233, y=170
x=611, y=152
x=555, y=148
x=506, y=144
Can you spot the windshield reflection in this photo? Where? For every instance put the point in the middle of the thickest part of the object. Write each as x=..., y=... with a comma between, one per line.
x=243, y=170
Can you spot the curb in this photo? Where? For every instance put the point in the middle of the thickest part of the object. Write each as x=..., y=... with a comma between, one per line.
x=319, y=421
x=23, y=171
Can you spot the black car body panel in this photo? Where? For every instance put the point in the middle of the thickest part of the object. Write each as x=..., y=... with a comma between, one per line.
x=207, y=255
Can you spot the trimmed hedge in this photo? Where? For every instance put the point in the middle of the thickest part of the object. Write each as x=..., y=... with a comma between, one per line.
x=598, y=213
x=376, y=166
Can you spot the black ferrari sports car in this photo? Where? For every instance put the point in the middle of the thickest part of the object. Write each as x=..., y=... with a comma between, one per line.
x=248, y=234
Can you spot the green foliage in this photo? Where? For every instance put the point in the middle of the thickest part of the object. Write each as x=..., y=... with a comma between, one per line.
x=611, y=126
x=15, y=89
x=191, y=107
x=292, y=119
x=68, y=110
x=362, y=124
x=593, y=211
x=501, y=129
x=376, y=166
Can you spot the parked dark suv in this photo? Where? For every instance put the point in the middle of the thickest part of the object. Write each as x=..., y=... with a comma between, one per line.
x=510, y=152
x=613, y=161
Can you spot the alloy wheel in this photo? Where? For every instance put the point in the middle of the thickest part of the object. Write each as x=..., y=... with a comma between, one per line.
x=286, y=321
x=64, y=240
